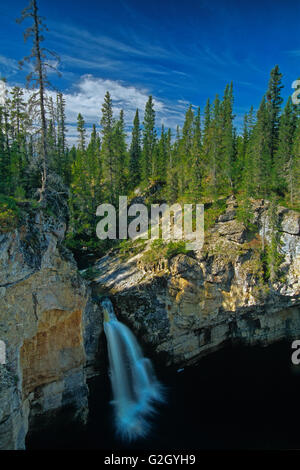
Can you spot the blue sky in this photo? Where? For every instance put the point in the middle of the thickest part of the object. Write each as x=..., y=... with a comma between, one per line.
x=181, y=52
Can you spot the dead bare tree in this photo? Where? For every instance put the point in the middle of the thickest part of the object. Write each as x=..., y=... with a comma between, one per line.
x=38, y=78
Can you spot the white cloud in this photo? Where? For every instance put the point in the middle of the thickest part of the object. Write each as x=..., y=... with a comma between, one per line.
x=88, y=95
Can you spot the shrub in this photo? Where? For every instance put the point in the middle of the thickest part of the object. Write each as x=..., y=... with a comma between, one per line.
x=213, y=212
x=175, y=248
x=9, y=214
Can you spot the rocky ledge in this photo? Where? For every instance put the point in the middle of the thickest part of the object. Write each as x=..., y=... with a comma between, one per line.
x=192, y=303
x=50, y=327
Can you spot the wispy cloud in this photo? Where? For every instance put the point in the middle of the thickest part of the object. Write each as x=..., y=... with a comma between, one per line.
x=8, y=66
x=9, y=63
x=294, y=52
x=100, y=63
x=81, y=38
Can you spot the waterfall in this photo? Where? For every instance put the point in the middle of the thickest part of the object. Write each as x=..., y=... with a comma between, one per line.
x=134, y=384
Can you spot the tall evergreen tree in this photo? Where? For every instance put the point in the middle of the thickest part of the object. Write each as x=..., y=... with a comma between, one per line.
x=197, y=164
x=260, y=174
x=18, y=152
x=161, y=155
x=283, y=158
x=149, y=141
x=135, y=153
x=107, y=151
x=227, y=163
x=274, y=102
x=172, y=167
x=5, y=166
x=63, y=165
x=185, y=151
x=245, y=164
x=207, y=127
x=81, y=133
x=214, y=150
x=120, y=154
x=293, y=168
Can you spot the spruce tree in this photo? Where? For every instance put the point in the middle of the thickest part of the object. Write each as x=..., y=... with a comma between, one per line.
x=245, y=164
x=5, y=167
x=214, y=151
x=149, y=141
x=227, y=157
x=18, y=151
x=185, y=151
x=63, y=165
x=172, y=167
x=120, y=154
x=135, y=153
x=81, y=133
x=293, y=169
x=197, y=167
x=283, y=158
x=274, y=101
x=107, y=150
x=260, y=174
x=207, y=127
x=161, y=156
x=18, y=114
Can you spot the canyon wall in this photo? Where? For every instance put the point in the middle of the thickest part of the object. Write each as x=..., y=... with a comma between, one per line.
x=180, y=307
x=193, y=303
x=50, y=327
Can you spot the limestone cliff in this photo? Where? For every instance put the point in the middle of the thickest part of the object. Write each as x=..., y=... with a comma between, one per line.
x=183, y=306
x=190, y=304
x=50, y=327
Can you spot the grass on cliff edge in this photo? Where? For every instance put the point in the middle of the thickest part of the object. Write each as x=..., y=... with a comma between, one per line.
x=14, y=209
x=160, y=250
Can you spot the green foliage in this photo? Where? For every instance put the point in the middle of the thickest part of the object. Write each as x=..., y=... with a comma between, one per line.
x=244, y=213
x=9, y=214
x=129, y=248
x=284, y=158
x=135, y=153
x=206, y=161
x=274, y=102
x=175, y=248
x=149, y=141
x=212, y=212
x=272, y=256
x=160, y=252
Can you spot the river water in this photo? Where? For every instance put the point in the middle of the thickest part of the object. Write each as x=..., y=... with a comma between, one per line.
x=236, y=398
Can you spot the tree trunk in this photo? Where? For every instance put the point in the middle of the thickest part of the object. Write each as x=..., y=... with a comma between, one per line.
x=42, y=105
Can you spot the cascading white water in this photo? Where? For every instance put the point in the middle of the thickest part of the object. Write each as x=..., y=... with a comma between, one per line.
x=134, y=384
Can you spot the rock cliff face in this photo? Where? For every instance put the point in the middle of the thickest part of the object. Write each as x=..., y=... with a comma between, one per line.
x=182, y=307
x=191, y=304
x=50, y=327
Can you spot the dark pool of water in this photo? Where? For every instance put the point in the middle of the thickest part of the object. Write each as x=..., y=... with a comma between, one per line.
x=236, y=398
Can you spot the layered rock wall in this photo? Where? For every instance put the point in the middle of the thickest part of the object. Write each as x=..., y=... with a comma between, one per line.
x=191, y=304
x=50, y=327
